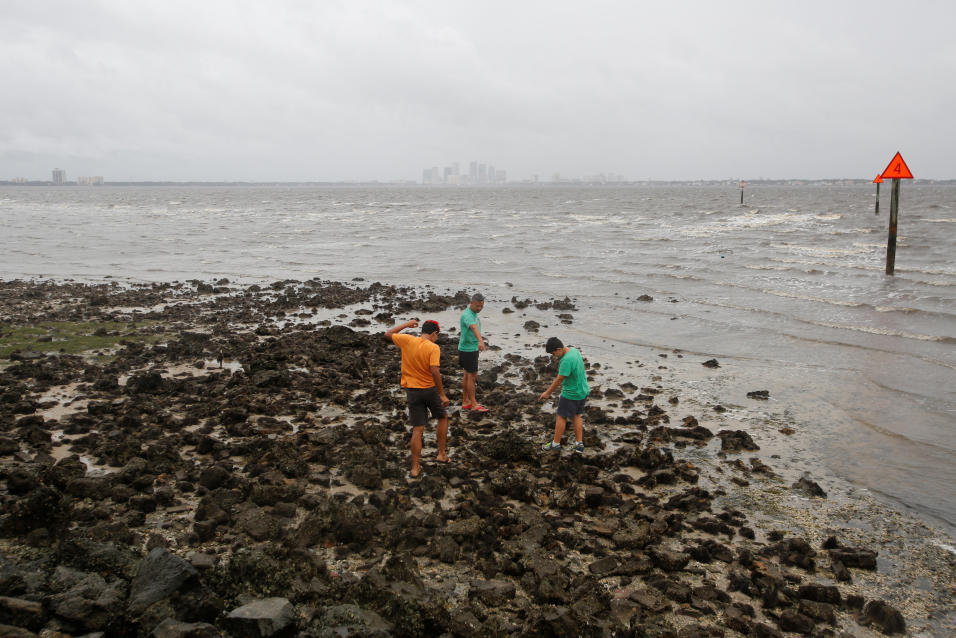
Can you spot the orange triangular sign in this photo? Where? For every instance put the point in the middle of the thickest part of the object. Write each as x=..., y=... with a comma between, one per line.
x=897, y=169
x=878, y=180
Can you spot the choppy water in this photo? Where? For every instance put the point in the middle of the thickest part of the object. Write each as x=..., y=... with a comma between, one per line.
x=787, y=291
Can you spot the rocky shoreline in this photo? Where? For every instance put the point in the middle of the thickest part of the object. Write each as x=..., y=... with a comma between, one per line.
x=205, y=459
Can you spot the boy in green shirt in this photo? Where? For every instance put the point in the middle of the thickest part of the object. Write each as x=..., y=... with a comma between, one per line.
x=470, y=344
x=574, y=393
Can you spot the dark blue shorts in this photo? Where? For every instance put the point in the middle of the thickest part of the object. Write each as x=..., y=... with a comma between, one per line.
x=568, y=408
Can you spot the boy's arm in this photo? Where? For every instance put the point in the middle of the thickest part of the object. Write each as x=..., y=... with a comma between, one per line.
x=408, y=324
x=436, y=377
x=554, y=386
x=481, y=342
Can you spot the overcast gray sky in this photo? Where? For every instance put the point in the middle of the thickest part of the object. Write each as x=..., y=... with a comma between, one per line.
x=356, y=90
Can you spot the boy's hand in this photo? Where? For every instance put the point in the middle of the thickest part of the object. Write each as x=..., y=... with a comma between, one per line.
x=544, y=395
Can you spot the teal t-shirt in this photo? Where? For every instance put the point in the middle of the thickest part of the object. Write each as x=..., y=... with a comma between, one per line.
x=571, y=367
x=468, y=342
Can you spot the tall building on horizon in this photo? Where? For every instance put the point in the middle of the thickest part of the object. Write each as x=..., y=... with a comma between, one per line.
x=59, y=176
x=478, y=173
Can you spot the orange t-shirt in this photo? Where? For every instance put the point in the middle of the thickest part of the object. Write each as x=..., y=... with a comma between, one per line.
x=418, y=356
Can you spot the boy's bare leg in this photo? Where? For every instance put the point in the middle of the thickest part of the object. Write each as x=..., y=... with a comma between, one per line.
x=442, y=435
x=468, y=389
x=417, y=433
x=560, y=423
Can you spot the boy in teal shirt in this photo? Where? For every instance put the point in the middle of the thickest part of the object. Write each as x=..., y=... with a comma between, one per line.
x=469, y=345
x=574, y=393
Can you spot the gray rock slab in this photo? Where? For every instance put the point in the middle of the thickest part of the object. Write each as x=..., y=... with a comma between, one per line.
x=261, y=618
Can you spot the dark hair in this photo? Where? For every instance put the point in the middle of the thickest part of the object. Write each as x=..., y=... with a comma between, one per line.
x=553, y=344
x=429, y=327
x=477, y=297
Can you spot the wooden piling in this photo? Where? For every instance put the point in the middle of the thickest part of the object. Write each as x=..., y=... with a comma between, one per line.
x=891, y=240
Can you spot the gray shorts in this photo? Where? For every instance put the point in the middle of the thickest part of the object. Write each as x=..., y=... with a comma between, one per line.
x=568, y=408
x=421, y=401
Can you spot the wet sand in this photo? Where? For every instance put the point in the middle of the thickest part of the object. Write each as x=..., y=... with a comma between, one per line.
x=280, y=477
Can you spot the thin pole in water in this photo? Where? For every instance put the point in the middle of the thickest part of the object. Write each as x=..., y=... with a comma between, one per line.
x=742, y=184
x=877, y=181
x=891, y=240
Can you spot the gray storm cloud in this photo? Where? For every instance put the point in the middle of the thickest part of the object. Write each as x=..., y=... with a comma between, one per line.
x=378, y=90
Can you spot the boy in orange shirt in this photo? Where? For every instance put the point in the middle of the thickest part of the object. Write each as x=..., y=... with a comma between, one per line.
x=423, y=387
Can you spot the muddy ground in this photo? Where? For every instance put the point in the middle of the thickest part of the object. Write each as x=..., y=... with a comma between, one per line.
x=204, y=459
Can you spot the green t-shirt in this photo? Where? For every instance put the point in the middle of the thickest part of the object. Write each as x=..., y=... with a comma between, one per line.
x=468, y=342
x=571, y=367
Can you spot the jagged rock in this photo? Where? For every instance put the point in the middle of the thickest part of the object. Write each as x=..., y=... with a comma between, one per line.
x=90, y=603
x=145, y=383
x=883, y=616
x=603, y=566
x=467, y=528
x=260, y=618
x=820, y=593
x=796, y=622
x=670, y=561
x=736, y=440
x=351, y=621
x=653, y=602
x=855, y=557
x=492, y=592
x=737, y=619
x=809, y=487
x=9, y=631
x=21, y=613
x=509, y=446
x=820, y=612
x=171, y=628
x=840, y=572
x=693, y=500
x=158, y=576
x=761, y=630
x=593, y=495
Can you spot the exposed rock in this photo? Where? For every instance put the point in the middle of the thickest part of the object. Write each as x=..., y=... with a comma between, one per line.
x=855, y=557
x=351, y=621
x=171, y=628
x=160, y=574
x=736, y=440
x=809, y=487
x=260, y=618
x=21, y=613
x=883, y=616
x=492, y=592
